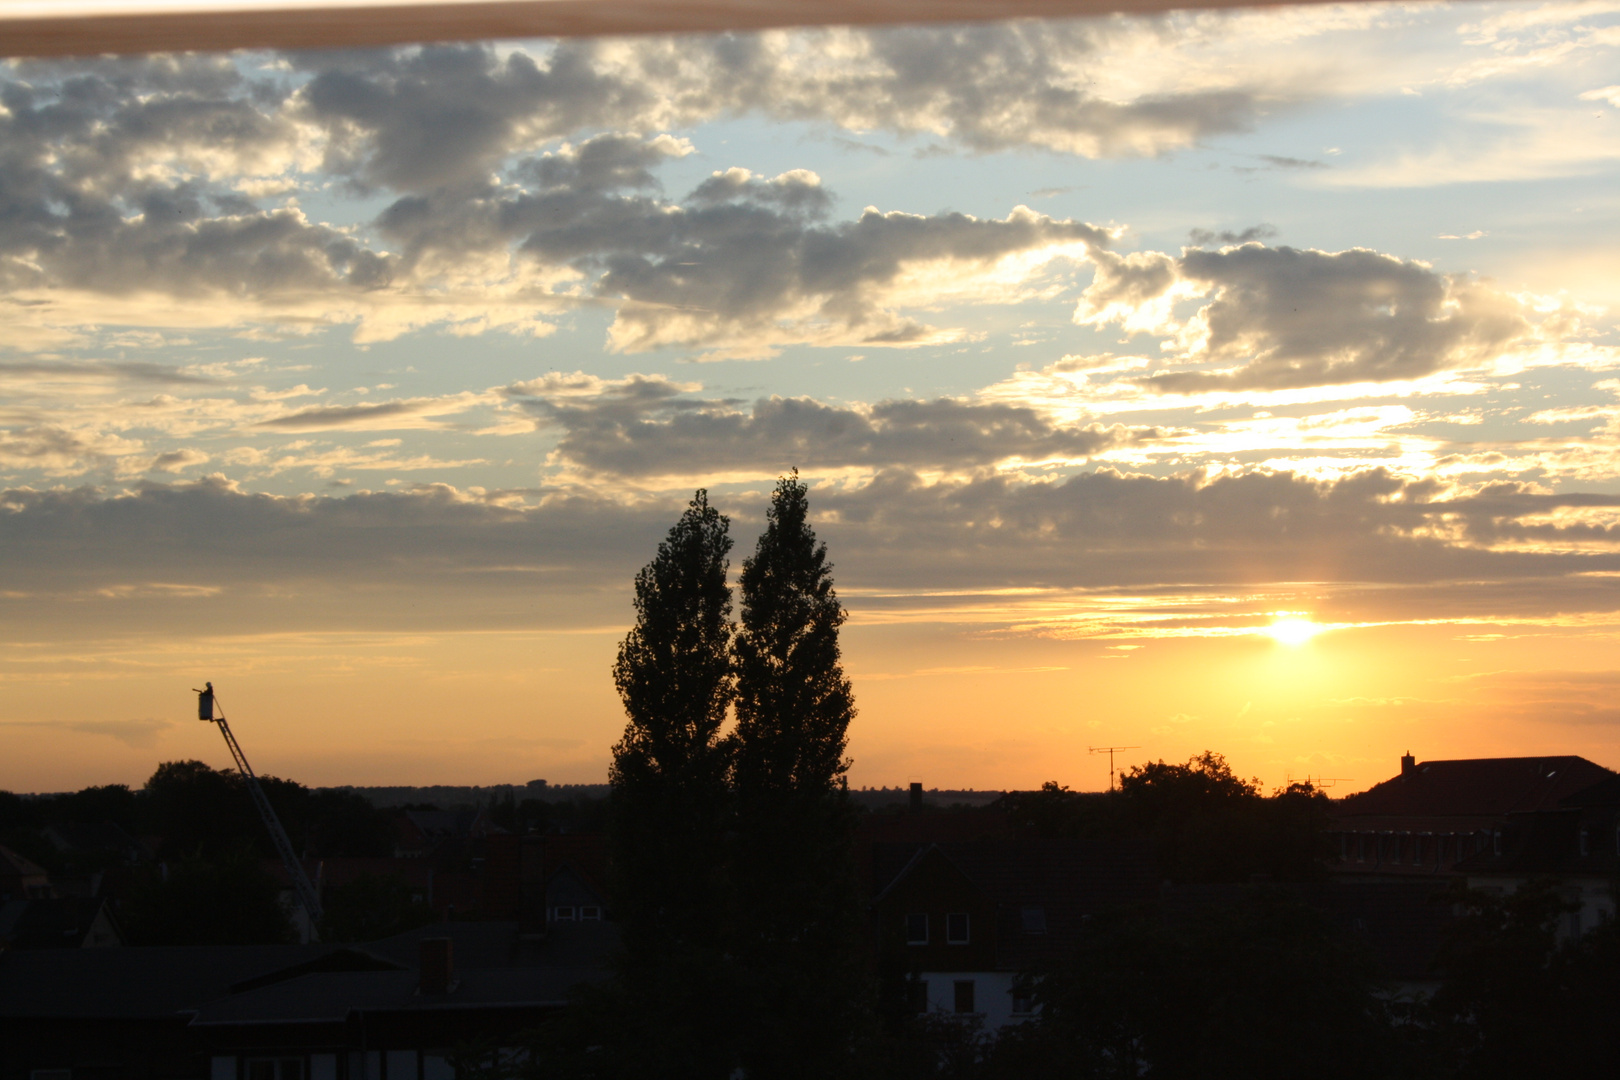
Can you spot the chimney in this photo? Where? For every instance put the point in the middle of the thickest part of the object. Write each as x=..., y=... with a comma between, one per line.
x=434, y=962
x=916, y=797
x=1408, y=764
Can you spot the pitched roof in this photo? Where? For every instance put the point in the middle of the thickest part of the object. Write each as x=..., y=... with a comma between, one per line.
x=133, y=983
x=1475, y=787
x=1066, y=881
x=57, y=923
x=18, y=864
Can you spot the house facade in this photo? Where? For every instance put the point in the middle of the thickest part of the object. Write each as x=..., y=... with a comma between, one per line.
x=957, y=923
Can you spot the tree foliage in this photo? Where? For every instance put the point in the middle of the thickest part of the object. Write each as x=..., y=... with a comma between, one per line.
x=670, y=797
x=226, y=899
x=796, y=917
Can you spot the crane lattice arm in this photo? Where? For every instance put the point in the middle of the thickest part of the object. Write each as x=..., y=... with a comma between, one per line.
x=307, y=895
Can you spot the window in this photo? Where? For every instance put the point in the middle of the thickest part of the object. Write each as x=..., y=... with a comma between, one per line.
x=590, y=912
x=1034, y=920
x=562, y=914
x=917, y=995
x=1586, y=842
x=956, y=928
x=964, y=995
x=1023, y=1002
x=917, y=929
x=283, y=1068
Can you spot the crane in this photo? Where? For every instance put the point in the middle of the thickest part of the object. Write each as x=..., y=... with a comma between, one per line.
x=307, y=896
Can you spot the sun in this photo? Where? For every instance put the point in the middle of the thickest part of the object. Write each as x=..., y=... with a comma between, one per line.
x=1293, y=631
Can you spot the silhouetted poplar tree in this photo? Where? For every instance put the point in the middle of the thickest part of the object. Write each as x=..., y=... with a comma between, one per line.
x=670, y=798
x=797, y=911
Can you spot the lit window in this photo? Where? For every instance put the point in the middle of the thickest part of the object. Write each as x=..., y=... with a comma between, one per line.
x=917, y=929
x=956, y=928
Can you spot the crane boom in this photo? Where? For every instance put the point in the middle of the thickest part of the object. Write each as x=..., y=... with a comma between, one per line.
x=307, y=895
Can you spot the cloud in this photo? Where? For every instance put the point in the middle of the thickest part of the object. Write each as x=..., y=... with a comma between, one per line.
x=176, y=461
x=643, y=427
x=374, y=416
x=1205, y=237
x=141, y=734
x=744, y=263
x=1372, y=545
x=438, y=117
x=1284, y=318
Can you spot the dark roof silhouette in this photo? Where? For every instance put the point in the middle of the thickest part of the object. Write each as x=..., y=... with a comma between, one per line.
x=1065, y=880
x=133, y=983
x=19, y=865
x=56, y=923
x=329, y=997
x=75, y=836
x=1476, y=787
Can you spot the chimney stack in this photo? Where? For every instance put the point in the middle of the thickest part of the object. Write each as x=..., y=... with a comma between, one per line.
x=435, y=962
x=1408, y=764
x=916, y=797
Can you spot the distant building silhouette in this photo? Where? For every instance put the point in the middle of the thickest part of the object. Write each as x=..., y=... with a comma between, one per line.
x=1434, y=814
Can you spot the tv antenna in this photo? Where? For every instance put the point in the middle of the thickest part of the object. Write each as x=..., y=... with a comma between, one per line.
x=1321, y=783
x=1110, y=751
x=307, y=896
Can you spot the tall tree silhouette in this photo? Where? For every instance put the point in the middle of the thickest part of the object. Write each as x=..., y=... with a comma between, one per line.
x=796, y=915
x=670, y=797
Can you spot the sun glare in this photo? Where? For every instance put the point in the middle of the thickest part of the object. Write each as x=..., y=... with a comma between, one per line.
x=1293, y=631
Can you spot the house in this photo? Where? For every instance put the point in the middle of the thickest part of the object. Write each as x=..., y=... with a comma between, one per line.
x=1576, y=842
x=1434, y=814
x=70, y=922
x=959, y=921
x=388, y=1010
x=21, y=878
x=435, y=832
x=545, y=878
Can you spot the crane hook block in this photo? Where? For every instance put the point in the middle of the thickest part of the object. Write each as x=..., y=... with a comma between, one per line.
x=205, y=702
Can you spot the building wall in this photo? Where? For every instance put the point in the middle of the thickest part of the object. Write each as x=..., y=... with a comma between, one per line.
x=992, y=995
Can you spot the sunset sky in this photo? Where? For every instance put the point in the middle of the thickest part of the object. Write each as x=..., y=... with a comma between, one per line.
x=361, y=384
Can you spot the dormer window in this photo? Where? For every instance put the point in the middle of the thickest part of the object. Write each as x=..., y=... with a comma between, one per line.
x=956, y=928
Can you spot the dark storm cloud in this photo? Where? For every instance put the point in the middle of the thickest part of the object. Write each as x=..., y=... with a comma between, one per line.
x=645, y=430
x=1287, y=318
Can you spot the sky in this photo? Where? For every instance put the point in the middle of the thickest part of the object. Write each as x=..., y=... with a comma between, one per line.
x=1245, y=381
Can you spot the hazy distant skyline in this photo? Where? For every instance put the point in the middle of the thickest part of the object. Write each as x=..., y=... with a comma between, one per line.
x=363, y=383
